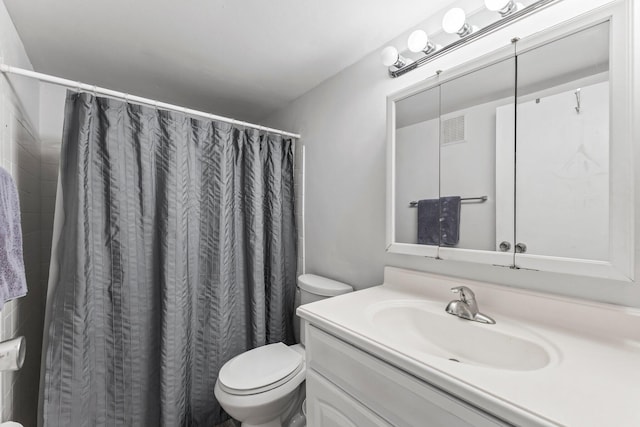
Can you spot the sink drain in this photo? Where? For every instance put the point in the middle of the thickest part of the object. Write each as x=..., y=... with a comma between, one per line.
x=454, y=360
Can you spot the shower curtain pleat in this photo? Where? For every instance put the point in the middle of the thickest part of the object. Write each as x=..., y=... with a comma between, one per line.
x=177, y=252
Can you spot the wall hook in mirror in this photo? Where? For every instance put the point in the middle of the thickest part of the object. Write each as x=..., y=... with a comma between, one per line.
x=577, y=93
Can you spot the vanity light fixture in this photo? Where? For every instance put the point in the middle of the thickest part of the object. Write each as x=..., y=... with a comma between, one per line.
x=419, y=42
x=455, y=22
x=504, y=7
x=391, y=58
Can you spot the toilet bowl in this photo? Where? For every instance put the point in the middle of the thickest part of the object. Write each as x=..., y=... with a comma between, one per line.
x=264, y=387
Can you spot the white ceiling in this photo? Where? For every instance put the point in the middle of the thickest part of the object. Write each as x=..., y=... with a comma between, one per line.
x=243, y=59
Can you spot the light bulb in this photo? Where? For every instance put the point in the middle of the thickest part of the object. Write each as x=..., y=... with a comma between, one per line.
x=504, y=7
x=454, y=20
x=496, y=5
x=419, y=42
x=390, y=57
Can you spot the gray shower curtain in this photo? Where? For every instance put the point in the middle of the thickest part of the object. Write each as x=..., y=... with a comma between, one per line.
x=177, y=252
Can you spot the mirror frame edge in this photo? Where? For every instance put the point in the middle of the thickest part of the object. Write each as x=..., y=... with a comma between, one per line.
x=391, y=245
x=621, y=264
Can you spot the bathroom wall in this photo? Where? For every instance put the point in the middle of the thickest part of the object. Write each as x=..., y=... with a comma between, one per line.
x=343, y=127
x=298, y=181
x=571, y=191
x=52, y=99
x=467, y=169
x=417, y=174
x=575, y=212
x=20, y=154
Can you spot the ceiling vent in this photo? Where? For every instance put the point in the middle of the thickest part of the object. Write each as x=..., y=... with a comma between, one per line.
x=453, y=130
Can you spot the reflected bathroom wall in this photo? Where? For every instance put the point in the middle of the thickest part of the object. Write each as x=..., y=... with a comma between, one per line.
x=417, y=159
x=569, y=191
x=562, y=163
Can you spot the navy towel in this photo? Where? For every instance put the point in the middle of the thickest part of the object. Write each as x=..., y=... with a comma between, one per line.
x=13, y=283
x=439, y=221
x=429, y=222
x=449, y=220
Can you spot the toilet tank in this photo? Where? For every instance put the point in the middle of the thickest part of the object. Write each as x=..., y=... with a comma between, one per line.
x=314, y=288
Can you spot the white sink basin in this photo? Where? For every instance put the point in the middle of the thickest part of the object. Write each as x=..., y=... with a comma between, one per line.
x=424, y=327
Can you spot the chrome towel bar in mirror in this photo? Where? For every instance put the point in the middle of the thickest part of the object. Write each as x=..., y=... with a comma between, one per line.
x=414, y=204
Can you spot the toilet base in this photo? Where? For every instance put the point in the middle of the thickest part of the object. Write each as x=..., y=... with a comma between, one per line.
x=293, y=416
x=274, y=423
x=277, y=407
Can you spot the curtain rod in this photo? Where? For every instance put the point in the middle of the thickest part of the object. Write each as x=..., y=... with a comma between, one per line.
x=133, y=98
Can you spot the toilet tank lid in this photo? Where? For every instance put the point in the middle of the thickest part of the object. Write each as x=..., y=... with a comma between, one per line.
x=322, y=286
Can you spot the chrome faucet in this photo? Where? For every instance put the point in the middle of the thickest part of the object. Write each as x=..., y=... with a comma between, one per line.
x=467, y=307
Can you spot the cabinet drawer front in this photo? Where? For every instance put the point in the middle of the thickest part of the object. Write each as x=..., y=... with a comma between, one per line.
x=396, y=396
x=328, y=406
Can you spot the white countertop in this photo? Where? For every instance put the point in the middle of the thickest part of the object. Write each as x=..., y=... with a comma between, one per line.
x=593, y=378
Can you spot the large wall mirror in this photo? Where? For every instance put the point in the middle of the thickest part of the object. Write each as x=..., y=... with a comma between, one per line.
x=518, y=158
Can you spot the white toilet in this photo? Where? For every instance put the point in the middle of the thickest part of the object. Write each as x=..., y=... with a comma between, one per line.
x=265, y=386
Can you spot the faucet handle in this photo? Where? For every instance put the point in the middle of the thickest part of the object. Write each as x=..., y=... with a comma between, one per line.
x=466, y=294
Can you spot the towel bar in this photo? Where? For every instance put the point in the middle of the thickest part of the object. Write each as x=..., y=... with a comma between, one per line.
x=482, y=199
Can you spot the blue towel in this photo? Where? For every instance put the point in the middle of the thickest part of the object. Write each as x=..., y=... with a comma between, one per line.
x=439, y=221
x=449, y=220
x=429, y=222
x=13, y=283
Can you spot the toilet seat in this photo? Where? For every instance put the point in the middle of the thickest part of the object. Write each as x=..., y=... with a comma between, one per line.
x=260, y=370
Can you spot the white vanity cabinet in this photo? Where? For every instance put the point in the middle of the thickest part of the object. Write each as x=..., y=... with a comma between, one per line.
x=392, y=355
x=329, y=406
x=349, y=387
